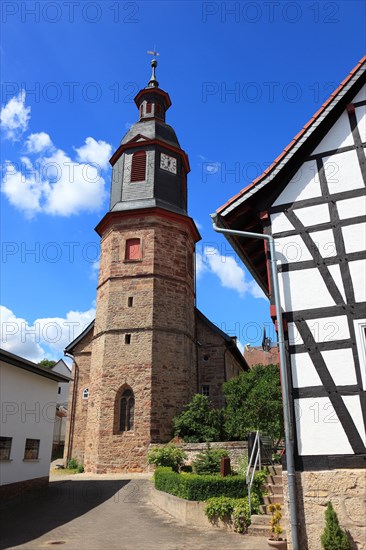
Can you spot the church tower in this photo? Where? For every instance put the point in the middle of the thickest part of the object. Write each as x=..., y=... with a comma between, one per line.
x=143, y=351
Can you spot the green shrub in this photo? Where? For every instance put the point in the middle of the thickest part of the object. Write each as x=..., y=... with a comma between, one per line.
x=333, y=537
x=72, y=464
x=80, y=469
x=209, y=461
x=234, y=509
x=169, y=455
x=199, y=421
x=199, y=487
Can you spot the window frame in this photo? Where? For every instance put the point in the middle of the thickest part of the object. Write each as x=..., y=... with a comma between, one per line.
x=205, y=388
x=85, y=393
x=138, y=163
x=360, y=333
x=29, y=448
x=7, y=441
x=128, y=243
x=126, y=416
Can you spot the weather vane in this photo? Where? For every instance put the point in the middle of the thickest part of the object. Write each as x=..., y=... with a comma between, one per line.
x=153, y=83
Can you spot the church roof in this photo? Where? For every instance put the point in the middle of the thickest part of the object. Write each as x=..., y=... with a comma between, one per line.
x=229, y=340
x=152, y=129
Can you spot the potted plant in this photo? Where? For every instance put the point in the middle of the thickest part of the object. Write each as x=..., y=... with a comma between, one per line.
x=275, y=540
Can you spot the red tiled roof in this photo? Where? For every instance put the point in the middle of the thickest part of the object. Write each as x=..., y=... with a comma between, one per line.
x=295, y=140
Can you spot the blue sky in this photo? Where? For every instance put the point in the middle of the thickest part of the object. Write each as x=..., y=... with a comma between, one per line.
x=243, y=77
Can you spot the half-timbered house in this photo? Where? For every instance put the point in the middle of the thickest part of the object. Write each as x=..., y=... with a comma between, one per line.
x=312, y=200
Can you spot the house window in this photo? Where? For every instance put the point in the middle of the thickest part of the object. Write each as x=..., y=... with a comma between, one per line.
x=127, y=411
x=127, y=338
x=138, y=170
x=133, y=249
x=59, y=390
x=85, y=393
x=130, y=301
x=360, y=332
x=148, y=107
x=205, y=390
x=31, y=450
x=5, y=448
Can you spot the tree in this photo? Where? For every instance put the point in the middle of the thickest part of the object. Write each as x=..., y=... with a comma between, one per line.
x=333, y=537
x=254, y=402
x=47, y=363
x=199, y=421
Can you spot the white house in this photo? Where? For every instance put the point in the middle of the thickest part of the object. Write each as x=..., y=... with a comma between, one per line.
x=28, y=404
x=61, y=408
x=312, y=200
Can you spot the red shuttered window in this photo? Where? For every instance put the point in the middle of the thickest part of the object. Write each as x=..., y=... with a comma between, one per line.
x=133, y=249
x=138, y=171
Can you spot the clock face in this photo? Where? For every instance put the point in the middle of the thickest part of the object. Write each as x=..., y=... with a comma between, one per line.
x=168, y=163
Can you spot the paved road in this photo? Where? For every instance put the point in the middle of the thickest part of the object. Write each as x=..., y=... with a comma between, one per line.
x=98, y=514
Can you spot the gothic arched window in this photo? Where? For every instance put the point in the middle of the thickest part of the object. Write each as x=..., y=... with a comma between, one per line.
x=138, y=170
x=126, y=411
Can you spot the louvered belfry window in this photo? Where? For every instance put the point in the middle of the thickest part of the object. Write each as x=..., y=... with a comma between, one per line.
x=138, y=171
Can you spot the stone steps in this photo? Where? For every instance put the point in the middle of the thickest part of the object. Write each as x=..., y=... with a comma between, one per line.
x=260, y=524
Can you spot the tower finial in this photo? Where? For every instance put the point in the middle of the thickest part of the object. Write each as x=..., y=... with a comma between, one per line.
x=153, y=83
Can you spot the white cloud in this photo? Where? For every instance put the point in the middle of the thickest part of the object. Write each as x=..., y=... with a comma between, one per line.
x=94, y=270
x=200, y=266
x=55, y=183
x=45, y=337
x=231, y=275
x=38, y=142
x=23, y=192
x=15, y=116
x=95, y=152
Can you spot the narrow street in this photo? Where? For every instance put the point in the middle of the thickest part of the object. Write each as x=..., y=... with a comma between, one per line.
x=82, y=512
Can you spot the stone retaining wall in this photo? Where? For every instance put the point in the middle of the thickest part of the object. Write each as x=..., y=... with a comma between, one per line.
x=236, y=450
x=187, y=512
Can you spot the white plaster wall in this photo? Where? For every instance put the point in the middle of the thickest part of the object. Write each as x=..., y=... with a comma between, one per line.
x=335, y=272
x=354, y=237
x=279, y=223
x=319, y=431
x=361, y=120
x=341, y=366
x=353, y=405
x=360, y=327
x=294, y=338
x=343, y=172
x=349, y=208
x=358, y=275
x=291, y=249
x=304, y=185
x=28, y=411
x=303, y=289
x=329, y=329
x=325, y=243
x=303, y=371
x=313, y=215
x=338, y=136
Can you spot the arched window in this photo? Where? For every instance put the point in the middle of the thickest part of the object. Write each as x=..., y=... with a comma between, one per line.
x=133, y=249
x=126, y=411
x=86, y=393
x=138, y=171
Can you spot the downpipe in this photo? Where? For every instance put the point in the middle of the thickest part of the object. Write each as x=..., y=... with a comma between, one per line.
x=284, y=378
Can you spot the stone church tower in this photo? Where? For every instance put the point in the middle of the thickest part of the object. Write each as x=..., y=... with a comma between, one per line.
x=137, y=365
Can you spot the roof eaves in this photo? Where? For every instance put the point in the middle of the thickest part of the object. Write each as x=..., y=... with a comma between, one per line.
x=72, y=344
x=20, y=362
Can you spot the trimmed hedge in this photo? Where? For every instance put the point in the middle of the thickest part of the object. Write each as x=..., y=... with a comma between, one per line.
x=199, y=487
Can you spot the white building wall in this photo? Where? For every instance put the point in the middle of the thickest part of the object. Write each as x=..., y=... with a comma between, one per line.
x=319, y=430
x=28, y=411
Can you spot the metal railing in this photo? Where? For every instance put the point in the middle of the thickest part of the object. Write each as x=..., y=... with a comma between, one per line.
x=255, y=456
